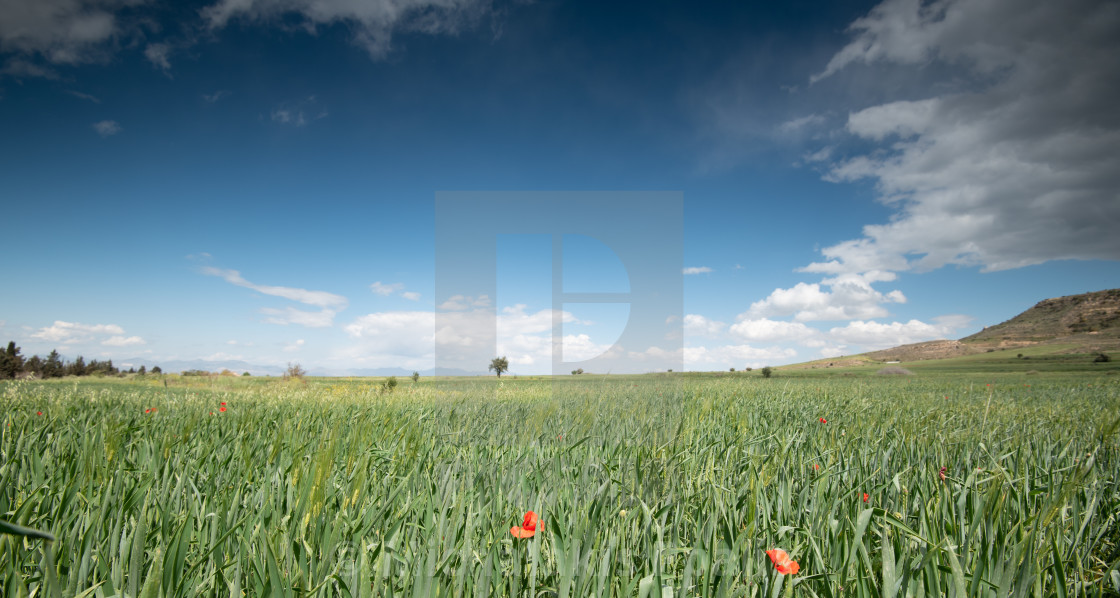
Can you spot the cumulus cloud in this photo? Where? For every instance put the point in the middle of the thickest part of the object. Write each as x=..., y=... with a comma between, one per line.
x=696, y=270
x=74, y=332
x=698, y=325
x=767, y=330
x=60, y=31
x=411, y=295
x=849, y=297
x=874, y=335
x=1010, y=162
x=724, y=356
x=373, y=24
x=107, y=128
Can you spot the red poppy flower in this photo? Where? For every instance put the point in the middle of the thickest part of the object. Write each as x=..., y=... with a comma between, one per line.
x=941, y=473
x=782, y=562
x=823, y=420
x=816, y=466
x=528, y=526
x=865, y=497
x=221, y=408
x=223, y=403
x=38, y=413
x=148, y=410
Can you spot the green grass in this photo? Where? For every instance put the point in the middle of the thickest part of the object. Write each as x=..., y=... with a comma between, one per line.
x=333, y=488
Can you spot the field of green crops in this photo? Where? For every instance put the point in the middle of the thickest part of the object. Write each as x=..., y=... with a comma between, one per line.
x=646, y=486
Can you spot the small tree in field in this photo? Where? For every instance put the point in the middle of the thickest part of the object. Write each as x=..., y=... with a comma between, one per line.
x=499, y=365
x=415, y=376
x=767, y=372
x=295, y=371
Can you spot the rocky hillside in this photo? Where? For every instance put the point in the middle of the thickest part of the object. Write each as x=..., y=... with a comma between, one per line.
x=1049, y=319
x=1088, y=322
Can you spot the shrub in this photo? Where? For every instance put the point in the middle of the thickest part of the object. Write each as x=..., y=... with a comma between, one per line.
x=1102, y=358
x=294, y=371
x=389, y=384
x=767, y=372
x=894, y=370
x=415, y=376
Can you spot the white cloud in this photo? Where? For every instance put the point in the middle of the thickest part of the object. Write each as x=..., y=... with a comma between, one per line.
x=463, y=302
x=316, y=298
x=290, y=315
x=874, y=335
x=84, y=96
x=72, y=332
x=157, y=55
x=385, y=289
x=696, y=270
x=1008, y=160
x=411, y=295
x=373, y=23
x=698, y=325
x=59, y=31
x=737, y=356
x=797, y=125
x=107, y=128
x=121, y=341
x=774, y=331
x=294, y=346
x=850, y=297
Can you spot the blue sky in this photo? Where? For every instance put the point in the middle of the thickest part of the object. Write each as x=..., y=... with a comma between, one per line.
x=256, y=179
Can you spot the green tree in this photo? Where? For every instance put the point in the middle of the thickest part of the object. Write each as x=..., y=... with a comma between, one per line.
x=53, y=367
x=767, y=372
x=499, y=365
x=11, y=362
x=157, y=370
x=76, y=367
x=415, y=376
x=143, y=370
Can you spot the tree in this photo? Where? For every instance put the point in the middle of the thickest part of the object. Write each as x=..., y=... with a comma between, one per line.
x=157, y=370
x=11, y=362
x=295, y=371
x=76, y=367
x=142, y=371
x=415, y=376
x=499, y=365
x=52, y=367
x=767, y=372
x=388, y=385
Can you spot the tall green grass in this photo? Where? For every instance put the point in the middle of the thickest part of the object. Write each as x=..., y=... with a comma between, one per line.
x=647, y=486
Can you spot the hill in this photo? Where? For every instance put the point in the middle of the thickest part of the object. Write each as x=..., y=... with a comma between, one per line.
x=1076, y=324
x=1090, y=313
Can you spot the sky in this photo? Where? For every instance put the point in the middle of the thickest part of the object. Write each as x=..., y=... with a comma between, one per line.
x=257, y=180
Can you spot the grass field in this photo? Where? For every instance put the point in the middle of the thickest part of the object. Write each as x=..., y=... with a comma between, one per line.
x=646, y=486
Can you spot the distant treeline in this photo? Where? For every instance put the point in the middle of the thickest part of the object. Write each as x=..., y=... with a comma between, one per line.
x=14, y=365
